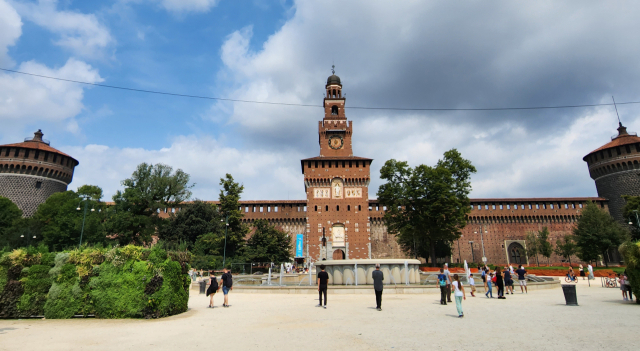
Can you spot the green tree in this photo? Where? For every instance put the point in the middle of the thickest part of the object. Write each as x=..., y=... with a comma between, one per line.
x=192, y=221
x=566, y=247
x=426, y=206
x=231, y=214
x=94, y=191
x=631, y=212
x=596, y=232
x=268, y=244
x=544, y=246
x=59, y=221
x=134, y=217
x=9, y=215
x=533, y=248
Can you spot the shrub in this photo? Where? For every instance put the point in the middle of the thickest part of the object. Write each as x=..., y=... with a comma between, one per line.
x=35, y=284
x=631, y=253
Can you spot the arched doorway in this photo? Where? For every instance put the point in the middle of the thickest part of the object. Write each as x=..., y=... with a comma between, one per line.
x=338, y=254
x=516, y=254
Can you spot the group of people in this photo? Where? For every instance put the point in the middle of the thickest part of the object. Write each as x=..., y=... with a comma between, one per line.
x=323, y=282
x=499, y=277
x=625, y=287
x=214, y=287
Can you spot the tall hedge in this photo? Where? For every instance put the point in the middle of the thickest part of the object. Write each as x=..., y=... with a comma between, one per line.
x=631, y=253
x=121, y=282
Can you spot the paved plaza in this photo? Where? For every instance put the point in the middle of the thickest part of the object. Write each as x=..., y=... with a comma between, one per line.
x=535, y=321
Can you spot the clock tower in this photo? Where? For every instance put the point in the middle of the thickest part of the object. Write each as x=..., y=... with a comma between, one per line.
x=336, y=183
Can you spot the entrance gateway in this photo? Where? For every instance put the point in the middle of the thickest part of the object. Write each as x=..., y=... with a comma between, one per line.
x=337, y=187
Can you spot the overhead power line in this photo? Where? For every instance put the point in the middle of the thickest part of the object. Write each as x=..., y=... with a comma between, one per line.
x=311, y=105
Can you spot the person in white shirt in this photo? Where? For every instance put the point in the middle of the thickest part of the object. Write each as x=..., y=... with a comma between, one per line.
x=472, y=284
x=459, y=294
x=446, y=272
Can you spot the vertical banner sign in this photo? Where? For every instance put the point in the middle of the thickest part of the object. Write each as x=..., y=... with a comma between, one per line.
x=299, y=243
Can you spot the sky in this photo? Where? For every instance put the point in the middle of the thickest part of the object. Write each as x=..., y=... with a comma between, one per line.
x=409, y=54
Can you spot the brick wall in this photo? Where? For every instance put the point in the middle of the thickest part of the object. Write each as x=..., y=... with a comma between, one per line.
x=25, y=192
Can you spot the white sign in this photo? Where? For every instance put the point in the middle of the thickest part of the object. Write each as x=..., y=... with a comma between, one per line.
x=352, y=192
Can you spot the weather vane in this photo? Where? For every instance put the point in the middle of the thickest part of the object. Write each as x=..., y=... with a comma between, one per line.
x=333, y=69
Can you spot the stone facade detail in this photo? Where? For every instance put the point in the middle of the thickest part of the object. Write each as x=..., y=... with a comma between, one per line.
x=28, y=192
x=32, y=170
x=613, y=186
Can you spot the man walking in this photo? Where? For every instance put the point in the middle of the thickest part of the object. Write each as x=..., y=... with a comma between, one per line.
x=448, y=275
x=323, y=278
x=227, y=285
x=378, y=278
x=442, y=283
x=522, y=278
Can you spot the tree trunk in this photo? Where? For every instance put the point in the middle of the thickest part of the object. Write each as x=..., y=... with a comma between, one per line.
x=569, y=260
x=537, y=261
x=432, y=253
x=604, y=257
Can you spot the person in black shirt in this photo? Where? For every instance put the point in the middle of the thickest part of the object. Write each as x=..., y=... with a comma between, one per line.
x=227, y=284
x=323, y=278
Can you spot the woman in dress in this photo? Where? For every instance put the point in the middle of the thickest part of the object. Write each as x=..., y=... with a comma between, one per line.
x=581, y=272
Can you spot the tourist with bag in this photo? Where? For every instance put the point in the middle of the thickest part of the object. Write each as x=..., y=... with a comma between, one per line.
x=489, y=285
x=227, y=285
x=442, y=283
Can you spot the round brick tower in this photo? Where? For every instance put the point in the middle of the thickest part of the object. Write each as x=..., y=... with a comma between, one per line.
x=616, y=169
x=32, y=170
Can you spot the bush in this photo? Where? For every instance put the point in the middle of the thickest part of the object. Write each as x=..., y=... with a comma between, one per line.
x=631, y=253
x=126, y=282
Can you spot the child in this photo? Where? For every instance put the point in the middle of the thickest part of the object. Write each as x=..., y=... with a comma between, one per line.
x=623, y=286
x=212, y=289
x=459, y=294
x=472, y=284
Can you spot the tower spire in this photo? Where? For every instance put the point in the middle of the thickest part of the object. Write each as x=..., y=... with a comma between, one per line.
x=616, y=107
x=333, y=69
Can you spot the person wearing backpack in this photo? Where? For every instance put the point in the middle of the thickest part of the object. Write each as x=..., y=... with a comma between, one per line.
x=442, y=283
x=227, y=285
x=213, y=287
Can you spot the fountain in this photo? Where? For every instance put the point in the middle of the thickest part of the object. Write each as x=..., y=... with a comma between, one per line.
x=358, y=272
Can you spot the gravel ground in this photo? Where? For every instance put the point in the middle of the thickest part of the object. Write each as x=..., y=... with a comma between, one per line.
x=536, y=321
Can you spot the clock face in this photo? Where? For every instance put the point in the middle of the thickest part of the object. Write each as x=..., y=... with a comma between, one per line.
x=335, y=142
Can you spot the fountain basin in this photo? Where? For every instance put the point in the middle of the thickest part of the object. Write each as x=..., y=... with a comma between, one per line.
x=358, y=272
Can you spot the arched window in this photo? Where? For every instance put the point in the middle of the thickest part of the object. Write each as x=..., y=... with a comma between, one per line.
x=326, y=208
x=338, y=208
x=316, y=208
x=334, y=110
x=348, y=207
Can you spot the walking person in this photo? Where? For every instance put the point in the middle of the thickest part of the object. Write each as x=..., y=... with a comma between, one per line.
x=323, y=279
x=522, y=278
x=581, y=271
x=489, y=285
x=590, y=269
x=378, y=279
x=500, y=283
x=442, y=282
x=459, y=294
x=629, y=286
x=483, y=275
x=472, y=285
x=213, y=287
x=227, y=285
x=446, y=272
x=623, y=286
x=508, y=280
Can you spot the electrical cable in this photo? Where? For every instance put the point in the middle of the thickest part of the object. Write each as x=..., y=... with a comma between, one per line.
x=310, y=105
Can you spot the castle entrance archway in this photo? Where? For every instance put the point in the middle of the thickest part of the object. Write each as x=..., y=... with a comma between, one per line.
x=338, y=254
x=516, y=254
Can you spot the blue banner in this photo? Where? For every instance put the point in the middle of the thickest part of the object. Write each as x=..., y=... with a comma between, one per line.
x=299, y=243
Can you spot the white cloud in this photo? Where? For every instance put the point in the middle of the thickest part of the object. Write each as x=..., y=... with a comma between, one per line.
x=10, y=31
x=265, y=175
x=183, y=6
x=82, y=34
x=444, y=54
x=26, y=99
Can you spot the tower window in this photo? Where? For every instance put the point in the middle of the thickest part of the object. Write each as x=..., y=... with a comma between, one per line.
x=316, y=165
x=618, y=151
x=15, y=154
x=338, y=208
x=37, y=154
x=316, y=208
x=6, y=153
x=348, y=207
x=628, y=148
x=638, y=147
x=352, y=166
x=326, y=208
x=359, y=208
x=46, y=156
x=38, y=185
x=26, y=153
x=308, y=164
x=334, y=110
x=609, y=152
x=55, y=157
x=343, y=164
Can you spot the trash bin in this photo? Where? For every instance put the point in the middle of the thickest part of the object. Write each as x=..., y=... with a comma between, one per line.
x=203, y=286
x=570, y=294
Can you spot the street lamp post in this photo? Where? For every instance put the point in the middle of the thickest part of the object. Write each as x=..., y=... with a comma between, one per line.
x=472, y=254
x=482, y=229
x=226, y=229
x=459, y=255
x=84, y=216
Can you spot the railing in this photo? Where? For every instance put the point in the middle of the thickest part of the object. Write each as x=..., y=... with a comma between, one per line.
x=43, y=140
x=630, y=133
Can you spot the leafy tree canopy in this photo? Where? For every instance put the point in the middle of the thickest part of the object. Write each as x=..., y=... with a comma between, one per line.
x=596, y=232
x=631, y=212
x=566, y=247
x=9, y=212
x=268, y=244
x=193, y=220
x=134, y=218
x=426, y=205
x=231, y=213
